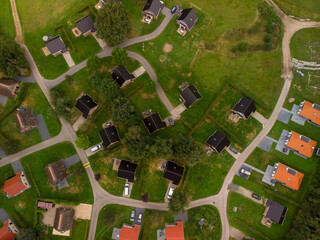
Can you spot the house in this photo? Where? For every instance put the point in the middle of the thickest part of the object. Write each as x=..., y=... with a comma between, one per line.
x=44, y=205
x=186, y=20
x=9, y=87
x=151, y=10
x=26, y=120
x=302, y=145
x=86, y=105
x=190, y=95
x=244, y=108
x=174, y=231
x=56, y=46
x=127, y=232
x=218, y=141
x=274, y=212
x=287, y=176
x=56, y=172
x=16, y=185
x=122, y=76
x=101, y=2
x=173, y=172
x=86, y=25
x=154, y=123
x=9, y=230
x=127, y=170
x=109, y=135
x=310, y=111
x=64, y=219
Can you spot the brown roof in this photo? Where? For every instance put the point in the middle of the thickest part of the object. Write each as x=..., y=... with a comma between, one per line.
x=64, y=219
x=56, y=172
x=8, y=87
x=25, y=119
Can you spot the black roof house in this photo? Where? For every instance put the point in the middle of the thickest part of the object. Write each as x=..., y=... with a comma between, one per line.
x=218, y=141
x=153, y=7
x=86, y=25
x=188, y=18
x=275, y=212
x=154, y=122
x=109, y=136
x=190, y=95
x=85, y=104
x=173, y=172
x=244, y=107
x=120, y=75
x=127, y=170
x=56, y=45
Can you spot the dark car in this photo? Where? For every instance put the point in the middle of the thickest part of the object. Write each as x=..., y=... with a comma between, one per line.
x=232, y=149
x=256, y=196
x=174, y=9
x=170, y=120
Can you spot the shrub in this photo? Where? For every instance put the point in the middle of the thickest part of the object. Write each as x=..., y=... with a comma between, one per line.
x=243, y=46
x=82, y=141
x=234, y=49
x=268, y=38
x=209, y=46
x=268, y=46
x=93, y=63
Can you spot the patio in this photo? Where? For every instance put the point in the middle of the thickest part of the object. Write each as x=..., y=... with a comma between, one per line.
x=182, y=30
x=281, y=147
x=146, y=19
x=295, y=116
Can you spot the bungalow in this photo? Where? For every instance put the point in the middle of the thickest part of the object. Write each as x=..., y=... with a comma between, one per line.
x=64, y=219
x=56, y=46
x=122, y=76
x=109, y=135
x=244, y=108
x=218, y=141
x=26, y=120
x=154, y=123
x=302, y=145
x=9, y=230
x=287, y=176
x=56, y=172
x=310, y=111
x=190, y=95
x=186, y=20
x=151, y=10
x=127, y=170
x=274, y=212
x=16, y=185
x=173, y=172
x=9, y=87
x=86, y=26
x=127, y=232
x=86, y=105
x=174, y=231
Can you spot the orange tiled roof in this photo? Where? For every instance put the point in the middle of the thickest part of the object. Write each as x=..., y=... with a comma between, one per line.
x=175, y=232
x=287, y=178
x=13, y=186
x=309, y=112
x=4, y=232
x=129, y=233
x=304, y=148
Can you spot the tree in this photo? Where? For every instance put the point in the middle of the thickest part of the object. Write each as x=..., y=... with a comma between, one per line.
x=124, y=113
x=97, y=176
x=12, y=59
x=136, y=143
x=108, y=218
x=112, y=23
x=94, y=63
x=28, y=233
x=177, y=202
x=82, y=141
x=63, y=108
x=161, y=148
x=119, y=56
x=106, y=86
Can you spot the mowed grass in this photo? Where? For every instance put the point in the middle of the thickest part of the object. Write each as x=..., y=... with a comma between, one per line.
x=79, y=232
x=7, y=27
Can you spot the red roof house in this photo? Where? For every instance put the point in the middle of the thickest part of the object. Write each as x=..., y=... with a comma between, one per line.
x=8, y=231
x=129, y=232
x=16, y=185
x=174, y=232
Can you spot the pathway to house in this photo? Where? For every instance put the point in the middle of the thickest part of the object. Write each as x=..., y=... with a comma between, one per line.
x=259, y=117
x=236, y=233
x=68, y=58
x=138, y=72
x=248, y=194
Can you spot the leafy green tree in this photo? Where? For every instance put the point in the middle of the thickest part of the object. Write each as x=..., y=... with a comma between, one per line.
x=112, y=23
x=82, y=141
x=106, y=86
x=137, y=146
x=108, y=218
x=93, y=63
x=63, y=108
x=161, y=148
x=119, y=56
x=177, y=202
x=124, y=113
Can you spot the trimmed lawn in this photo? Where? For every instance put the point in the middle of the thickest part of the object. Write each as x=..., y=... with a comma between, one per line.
x=7, y=27
x=79, y=232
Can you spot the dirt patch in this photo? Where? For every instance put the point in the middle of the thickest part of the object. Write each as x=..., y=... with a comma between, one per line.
x=167, y=47
x=291, y=100
x=21, y=204
x=208, y=120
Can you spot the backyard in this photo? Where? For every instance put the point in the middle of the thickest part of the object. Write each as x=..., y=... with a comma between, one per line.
x=6, y=25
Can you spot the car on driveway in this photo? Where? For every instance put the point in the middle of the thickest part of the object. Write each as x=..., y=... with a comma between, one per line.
x=133, y=213
x=170, y=192
x=126, y=189
x=244, y=171
x=256, y=196
x=170, y=120
x=140, y=217
x=174, y=9
x=95, y=148
x=232, y=149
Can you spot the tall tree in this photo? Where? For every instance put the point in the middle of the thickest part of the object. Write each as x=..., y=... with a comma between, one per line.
x=177, y=202
x=119, y=56
x=124, y=113
x=161, y=148
x=82, y=141
x=137, y=146
x=106, y=86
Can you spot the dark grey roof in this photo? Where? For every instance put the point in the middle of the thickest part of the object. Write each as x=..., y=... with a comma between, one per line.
x=109, y=135
x=154, y=122
x=276, y=212
x=190, y=95
x=127, y=170
x=153, y=7
x=56, y=45
x=173, y=172
x=245, y=106
x=121, y=75
x=188, y=17
x=85, y=104
x=64, y=219
x=85, y=25
x=56, y=172
x=25, y=119
x=218, y=141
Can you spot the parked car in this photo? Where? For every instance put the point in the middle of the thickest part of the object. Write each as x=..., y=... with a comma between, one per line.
x=95, y=148
x=170, y=120
x=126, y=189
x=133, y=213
x=174, y=9
x=170, y=192
x=232, y=149
x=140, y=217
x=256, y=196
x=243, y=171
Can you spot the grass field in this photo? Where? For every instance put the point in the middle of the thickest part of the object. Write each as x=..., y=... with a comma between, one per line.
x=7, y=27
x=79, y=232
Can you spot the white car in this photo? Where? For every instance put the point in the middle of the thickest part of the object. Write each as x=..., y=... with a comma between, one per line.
x=140, y=217
x=126, y=189
x=243, y=171
x=170, y=192
x=95, y=148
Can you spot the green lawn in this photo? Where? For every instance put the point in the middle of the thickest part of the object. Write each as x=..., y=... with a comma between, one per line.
x=7, y=27
x=79, y=232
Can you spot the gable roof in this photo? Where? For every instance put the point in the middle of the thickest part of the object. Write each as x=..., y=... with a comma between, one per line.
x=311, y=112
x=188, y=17
x=154, y=122
x=153, y=7
x=25, y=119
x=8, y=86
x=14, y=186
x=288, y=176
x=5, y=234
x=64, y=219
x=85, y=25
x=218, y=141
x=129, y=232
x=127, y=170
x=121, y=74
x=305, y=146
x=276, y=212
x=56, y=172
x=109, y=135
x=175, y=232
x=245, y=106
x=85, y=104
x=56, y=45
x=173, y=172
x=190, y=95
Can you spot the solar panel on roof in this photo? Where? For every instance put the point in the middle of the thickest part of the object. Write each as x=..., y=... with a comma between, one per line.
x=292, y=172
x=305, y=139
x=316, y=106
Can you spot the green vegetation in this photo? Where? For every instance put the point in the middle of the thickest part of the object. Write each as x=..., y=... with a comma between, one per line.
x=119, y=56
x=7, y=27
x=82, y=141
x=177, y=202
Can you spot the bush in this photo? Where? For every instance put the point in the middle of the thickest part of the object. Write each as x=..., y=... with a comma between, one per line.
x=93, y=63
x=177, y=202
x=209, y=46
x=82, y=141
x=268, y=38
x=243, y=46
x=234, y=49
x=268, y=46
x=119, y=56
